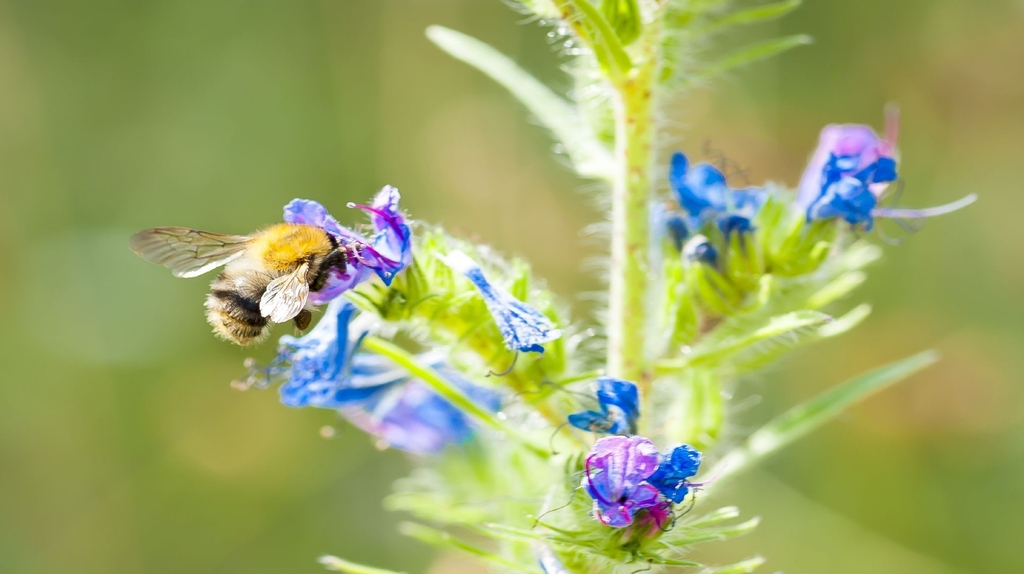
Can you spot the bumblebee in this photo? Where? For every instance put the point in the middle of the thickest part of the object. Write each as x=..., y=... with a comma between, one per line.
x=267, y=276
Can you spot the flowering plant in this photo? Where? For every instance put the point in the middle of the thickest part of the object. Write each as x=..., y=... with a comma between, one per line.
x=586, y=436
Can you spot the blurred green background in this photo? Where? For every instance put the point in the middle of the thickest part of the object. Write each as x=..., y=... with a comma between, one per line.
x=122, y=447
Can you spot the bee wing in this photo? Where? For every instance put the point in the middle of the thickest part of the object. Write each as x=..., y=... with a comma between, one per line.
x=285, y=296
x=188, y=252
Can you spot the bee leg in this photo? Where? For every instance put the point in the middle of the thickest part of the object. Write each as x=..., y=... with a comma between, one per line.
x=303, y=319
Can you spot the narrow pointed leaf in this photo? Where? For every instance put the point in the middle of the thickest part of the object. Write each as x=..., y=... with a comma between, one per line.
x=446, y=541
x=624, y=17
x=338, y=565
x=589, y=157
x=720, y=515
x=848, y=321
x=542, y=8
x=713, y=350
x=837, y=289
x=599, y=36
x=753, y=15
x=754, y=53
x=765, y=353
x=673, y=562
x=744, y=567
x=804, y=418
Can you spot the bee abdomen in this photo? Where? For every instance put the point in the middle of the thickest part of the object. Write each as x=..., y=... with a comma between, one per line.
x=235, y=317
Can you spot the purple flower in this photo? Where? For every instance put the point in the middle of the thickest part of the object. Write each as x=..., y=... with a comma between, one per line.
x=616, y=474
x=386, y=253
x=677, y=466
x=651, y=522
x=619, y=404
x=704, y=195
x=523, y=327
x=845, y=151
x=325, y=369
x=850, y=170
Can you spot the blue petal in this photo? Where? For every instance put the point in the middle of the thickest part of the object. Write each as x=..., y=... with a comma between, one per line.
x=885, y=170
x=623, y=395
x=391, y=249
x=614, y=475
x=309, y=212
x=414, y=418
x=678, y=167
x=619, y=401
x=523, y=327
x=676, y=467
x=734, y=224
x=704, y=193
x=748, y=200
x=677, y=230
x=701, y=250
x=319, y=363
x=591, y=421
x=849, y=198
x=385, y=254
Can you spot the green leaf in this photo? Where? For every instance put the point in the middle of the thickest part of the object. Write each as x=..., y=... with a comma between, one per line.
x=713, y=349
x=589, y=157
x=754, y=53
x=624, y=16
x=804, y=418
x=655, y=559
x=743, y=567
x=848, y=321
x=338, y=565
x=720, y=515
x=837, y=289
x=767, y=352
x=753, y=15
x=445, y=540
x=598, y=35
x=542, y=8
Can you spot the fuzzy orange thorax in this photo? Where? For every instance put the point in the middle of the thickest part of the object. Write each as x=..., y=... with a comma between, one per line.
x=283, y=246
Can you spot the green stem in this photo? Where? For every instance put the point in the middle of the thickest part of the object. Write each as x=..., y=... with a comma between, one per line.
x=631, y=197
x=450, y=392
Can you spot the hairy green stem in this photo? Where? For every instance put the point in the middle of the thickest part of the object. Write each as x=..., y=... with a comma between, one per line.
x=631, y=196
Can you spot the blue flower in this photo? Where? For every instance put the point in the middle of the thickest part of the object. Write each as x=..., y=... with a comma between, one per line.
x=523, y=327
x=677, y=230
x=704, y=194
x=384, y=254
x=318, y=366
x=676, y=467
x=849, y=151
x=615, y=476
x=850, y=171
x=409, y=415
x=701, y=250
x=325, y=369
x=619, y=402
